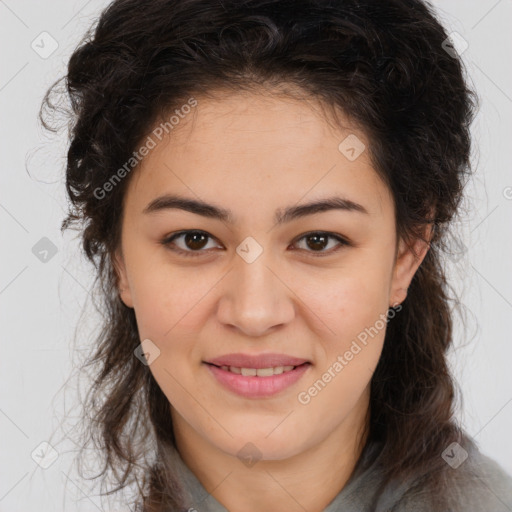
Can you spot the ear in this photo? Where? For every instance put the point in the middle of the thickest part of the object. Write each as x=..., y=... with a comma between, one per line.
x=408, y=259
x=122, y=281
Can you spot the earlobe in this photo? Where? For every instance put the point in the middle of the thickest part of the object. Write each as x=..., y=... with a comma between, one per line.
x=408, y=260
x=122, y=280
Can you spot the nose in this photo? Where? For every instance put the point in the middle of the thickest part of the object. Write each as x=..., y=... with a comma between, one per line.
x=255, y=299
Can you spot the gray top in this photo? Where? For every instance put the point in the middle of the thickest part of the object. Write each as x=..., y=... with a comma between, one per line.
x=477, y=484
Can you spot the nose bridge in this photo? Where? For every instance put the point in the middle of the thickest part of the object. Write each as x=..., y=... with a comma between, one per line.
x=255, y=299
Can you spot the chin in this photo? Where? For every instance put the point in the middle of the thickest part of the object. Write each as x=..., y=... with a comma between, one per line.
x=262, y=447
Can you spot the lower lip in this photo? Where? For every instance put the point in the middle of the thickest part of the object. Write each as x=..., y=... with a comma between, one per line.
x=257, y=387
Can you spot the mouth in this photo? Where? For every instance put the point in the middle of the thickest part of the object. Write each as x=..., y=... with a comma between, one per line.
x=259, y=372
x=257, y=383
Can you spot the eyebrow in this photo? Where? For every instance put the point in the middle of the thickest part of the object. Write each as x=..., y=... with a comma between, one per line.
x=168, y=202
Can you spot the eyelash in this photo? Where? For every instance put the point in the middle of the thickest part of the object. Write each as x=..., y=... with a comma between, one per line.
x=169, y=239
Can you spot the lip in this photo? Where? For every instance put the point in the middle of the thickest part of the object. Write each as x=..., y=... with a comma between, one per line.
x=257, y=387
x=259, y=361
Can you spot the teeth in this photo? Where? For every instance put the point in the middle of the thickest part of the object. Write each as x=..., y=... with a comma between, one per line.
x=260, y=372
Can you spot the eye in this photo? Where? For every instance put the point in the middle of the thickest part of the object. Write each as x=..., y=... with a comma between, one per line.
x=194, y=242
x=192, y=238
x=320, y=239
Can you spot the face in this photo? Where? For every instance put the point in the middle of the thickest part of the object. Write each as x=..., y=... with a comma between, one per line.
x=311, y=286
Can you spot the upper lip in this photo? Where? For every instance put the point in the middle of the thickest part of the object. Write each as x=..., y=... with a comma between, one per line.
x=257, y=361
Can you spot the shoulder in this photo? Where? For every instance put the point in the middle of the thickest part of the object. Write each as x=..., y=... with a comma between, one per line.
x=475, y=482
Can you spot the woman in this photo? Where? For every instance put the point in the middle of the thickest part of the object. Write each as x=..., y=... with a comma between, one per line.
x=267, y=187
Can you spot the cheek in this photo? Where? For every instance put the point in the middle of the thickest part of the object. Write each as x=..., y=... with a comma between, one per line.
x=168, y=300
x=172, y=301
x=355, y=309
x=346, y=302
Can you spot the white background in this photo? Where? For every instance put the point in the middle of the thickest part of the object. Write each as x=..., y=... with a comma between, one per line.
x=40, y=303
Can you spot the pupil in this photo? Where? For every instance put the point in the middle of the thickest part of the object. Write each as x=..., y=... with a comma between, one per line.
x=320, y=245
x=191, y=237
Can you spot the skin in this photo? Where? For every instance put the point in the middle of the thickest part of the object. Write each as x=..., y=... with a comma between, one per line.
x=273, y=152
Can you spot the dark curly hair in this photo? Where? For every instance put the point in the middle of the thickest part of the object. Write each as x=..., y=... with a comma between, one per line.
x=385, y=66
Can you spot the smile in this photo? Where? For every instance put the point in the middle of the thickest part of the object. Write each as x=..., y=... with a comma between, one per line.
x=257, y=382
x=258, y=372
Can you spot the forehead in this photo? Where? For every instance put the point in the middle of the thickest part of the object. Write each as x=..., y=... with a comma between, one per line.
x=251, y=149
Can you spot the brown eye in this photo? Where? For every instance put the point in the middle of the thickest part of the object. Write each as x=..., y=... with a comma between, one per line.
x=194, y=242
x=317, y=241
